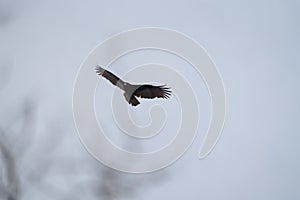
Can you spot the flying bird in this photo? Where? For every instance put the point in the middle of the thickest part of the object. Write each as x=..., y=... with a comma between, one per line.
x=131, y=92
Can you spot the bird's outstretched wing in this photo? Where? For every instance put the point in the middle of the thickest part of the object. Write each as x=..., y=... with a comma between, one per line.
x=150, y=91
x=109, y=76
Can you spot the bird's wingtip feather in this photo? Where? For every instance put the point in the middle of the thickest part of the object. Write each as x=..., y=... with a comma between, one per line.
x=99, y=70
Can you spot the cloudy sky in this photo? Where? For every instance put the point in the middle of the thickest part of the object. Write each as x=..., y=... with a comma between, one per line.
x=255, y=45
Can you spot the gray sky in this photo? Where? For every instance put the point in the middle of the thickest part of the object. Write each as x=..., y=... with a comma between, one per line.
x=255, y=45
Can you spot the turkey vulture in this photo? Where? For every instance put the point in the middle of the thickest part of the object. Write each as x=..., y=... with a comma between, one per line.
x=133, y=91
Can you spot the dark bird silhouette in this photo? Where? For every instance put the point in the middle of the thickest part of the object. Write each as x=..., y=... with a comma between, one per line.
x=132, y=91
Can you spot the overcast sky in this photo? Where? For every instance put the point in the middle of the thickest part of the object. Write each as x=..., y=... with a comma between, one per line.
x=255, y=45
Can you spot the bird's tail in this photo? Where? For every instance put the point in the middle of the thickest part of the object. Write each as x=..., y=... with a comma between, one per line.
x=133, y=101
